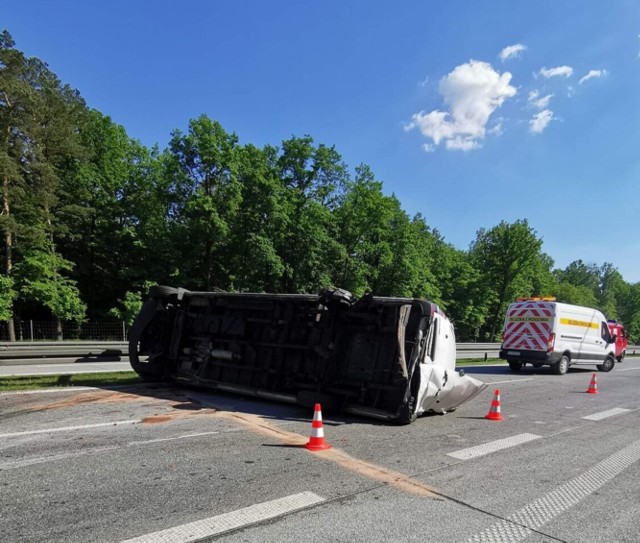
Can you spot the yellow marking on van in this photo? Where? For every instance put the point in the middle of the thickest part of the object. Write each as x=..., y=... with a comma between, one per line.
x=585, y=324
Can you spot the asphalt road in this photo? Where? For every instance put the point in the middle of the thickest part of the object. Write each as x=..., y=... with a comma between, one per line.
x=109, y=465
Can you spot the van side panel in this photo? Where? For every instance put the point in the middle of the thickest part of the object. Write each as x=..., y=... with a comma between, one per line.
x=579, y=330
x=541, y=332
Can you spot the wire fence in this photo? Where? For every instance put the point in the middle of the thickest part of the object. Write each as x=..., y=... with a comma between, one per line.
x=30, y=330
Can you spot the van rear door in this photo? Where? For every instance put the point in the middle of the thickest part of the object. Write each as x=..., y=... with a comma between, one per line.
x=528, y=326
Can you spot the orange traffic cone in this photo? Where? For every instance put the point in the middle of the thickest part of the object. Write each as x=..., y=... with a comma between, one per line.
x=593, y=385
x=494, y=412
x=316, y=441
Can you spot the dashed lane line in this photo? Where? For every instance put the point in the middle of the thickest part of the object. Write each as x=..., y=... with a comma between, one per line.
x=71, y=428
x=226, y=522
x=510, y=381
x=96, y=450
x=493, y=446
x=606, y=414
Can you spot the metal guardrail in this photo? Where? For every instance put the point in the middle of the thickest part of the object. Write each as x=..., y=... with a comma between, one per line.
x=492, y=350
x=477, y=350
x=61, y=349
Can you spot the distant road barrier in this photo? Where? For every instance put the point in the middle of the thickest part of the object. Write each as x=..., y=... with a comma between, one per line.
x=492, y=350
x=62, y=349
x=50, y=350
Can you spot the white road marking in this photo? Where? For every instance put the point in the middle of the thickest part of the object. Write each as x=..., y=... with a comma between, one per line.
x=510, y=381
x=606, y=414
x=43, y=459
x=219, y=524
x=49, y=390
x=492, y=446
x=158, y=440
x=70, y=428
x=536, y=514
x=63, y=456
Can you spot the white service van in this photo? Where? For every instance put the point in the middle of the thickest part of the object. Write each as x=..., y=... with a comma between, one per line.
x=543, y=332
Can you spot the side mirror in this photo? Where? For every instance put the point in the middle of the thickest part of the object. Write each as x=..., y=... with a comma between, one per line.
x=613, y=338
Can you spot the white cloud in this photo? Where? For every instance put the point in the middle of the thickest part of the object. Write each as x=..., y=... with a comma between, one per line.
x=462, y=143
x=540, y=102
x=592, y=74
x=424, y=82
x=512, y=51
x=496, y=129
x=429, y=148
x=472, y=91
x=565, y=71
x=540, y=121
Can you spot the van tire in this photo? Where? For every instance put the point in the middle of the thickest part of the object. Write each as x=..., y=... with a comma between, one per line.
x=622, y=355
x=609, y=362
x=561, y=366
x=515, y=365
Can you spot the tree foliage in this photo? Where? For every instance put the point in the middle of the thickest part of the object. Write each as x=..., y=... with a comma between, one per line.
x=90, y=217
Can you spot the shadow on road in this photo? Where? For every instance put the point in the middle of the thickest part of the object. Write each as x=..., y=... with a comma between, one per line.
x=526, y=370
x=191, y=398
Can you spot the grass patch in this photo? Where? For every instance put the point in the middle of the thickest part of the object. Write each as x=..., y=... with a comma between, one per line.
x=479, y=361
x=32, y=382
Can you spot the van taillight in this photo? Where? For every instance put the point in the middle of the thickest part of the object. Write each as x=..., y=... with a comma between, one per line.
x=551, y=341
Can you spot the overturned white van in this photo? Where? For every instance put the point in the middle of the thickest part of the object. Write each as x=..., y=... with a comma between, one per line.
x=541, y=331
x=388, y=358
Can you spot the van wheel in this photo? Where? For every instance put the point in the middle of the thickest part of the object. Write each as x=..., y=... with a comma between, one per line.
x=515, y=365
x=609, y=362
x=561, y=366
x=621, y=357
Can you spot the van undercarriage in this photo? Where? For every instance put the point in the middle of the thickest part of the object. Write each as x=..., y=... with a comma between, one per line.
x=366, y=356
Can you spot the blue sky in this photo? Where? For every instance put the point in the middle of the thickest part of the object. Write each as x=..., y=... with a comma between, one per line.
x=470, y=112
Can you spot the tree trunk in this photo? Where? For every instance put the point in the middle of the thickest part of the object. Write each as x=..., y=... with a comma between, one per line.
x=58, y=329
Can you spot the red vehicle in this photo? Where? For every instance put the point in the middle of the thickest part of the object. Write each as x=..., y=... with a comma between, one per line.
x=621, y=342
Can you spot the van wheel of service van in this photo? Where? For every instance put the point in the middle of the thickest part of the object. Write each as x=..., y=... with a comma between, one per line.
x=561, y=366
x=609, y=362
x=515, y=365
x=622, y=355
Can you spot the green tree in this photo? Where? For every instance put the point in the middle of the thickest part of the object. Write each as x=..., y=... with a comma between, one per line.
x=7, y=295
x=16, y=104
x=463, y=295
x=40, y=139
x=574, y=294
x=612, y=291
x=204, y=181
x=362, y=221
x=314, y=179
x=254, y=261
x=113, y=208
x=43, y=282
x=508, y=256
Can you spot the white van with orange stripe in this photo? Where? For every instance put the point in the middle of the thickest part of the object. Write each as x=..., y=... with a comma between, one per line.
x=543, y=332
